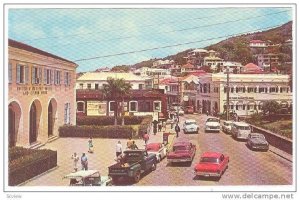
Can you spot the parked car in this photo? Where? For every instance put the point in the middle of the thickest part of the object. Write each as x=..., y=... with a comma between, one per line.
x=132, y=165
x=182, y=152
x=88, y=178
x=257, y=141
x=212, y=124
x=180, y=111
x=226, y=127
x=189, y=110
x=240, y=130
x=159, y=149
x=190, y=126
x=177, y=109
x=212, y=164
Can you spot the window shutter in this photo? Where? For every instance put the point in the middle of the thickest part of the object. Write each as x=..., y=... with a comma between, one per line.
x=69, y=78
x=65, y=78
x=9, y=73
x=40, y=75
x=26, y=74
x=69, y=113
x=65, y=114
x=51, y=77
x=45, y=76
x=32, y=75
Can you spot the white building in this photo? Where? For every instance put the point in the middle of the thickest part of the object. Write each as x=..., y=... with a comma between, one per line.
x=161, y=63
x=213, y=61
x=196, y=57
x=162, y=73
x=258, y=44
x=95, y=80
x=232, y=66
x=247, y=94
x=265, y=61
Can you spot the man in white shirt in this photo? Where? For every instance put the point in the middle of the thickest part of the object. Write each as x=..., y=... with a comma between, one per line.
x=118, y=149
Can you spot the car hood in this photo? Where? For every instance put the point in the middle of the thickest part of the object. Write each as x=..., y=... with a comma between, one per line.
x=207, y=167
x=192, y=126
x=212, y=124
x=258, y=141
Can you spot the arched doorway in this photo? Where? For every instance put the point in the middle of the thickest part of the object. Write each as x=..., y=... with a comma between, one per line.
x=34, y=121
x=14, y=116
x=51, y=117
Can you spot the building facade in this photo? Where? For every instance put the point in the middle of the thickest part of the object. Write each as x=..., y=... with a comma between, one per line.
x=41, y=94
x=247, y=92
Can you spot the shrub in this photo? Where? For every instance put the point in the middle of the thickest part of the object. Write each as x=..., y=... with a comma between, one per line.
x=25, y=164
x=96, y=131
x=108, y=120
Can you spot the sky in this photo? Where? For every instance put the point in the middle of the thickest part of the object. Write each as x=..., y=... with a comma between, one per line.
x=92, y=37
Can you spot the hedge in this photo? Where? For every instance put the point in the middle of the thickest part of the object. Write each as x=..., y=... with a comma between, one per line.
x=25, y=164
x=96, y=131
x=108, y=120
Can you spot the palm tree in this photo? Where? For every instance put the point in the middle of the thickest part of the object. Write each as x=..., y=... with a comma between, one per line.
x=116, y=89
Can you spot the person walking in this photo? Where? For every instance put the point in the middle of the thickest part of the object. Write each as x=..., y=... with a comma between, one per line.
x=159, y=127
x=129, y=143
x=177, y=129
x=118, y=149
x=146, y=138
x=155, y=122
x=133, y=146
x=75, y=159
x=84, y=162
x=91, y=146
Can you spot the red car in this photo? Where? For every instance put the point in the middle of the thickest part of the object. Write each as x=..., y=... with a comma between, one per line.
x=189, y=110
x=212, y=164
x=182, y=152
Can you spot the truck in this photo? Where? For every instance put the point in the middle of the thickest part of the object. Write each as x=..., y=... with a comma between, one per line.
x=133, y=164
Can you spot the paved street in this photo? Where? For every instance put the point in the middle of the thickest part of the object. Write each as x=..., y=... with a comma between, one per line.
x=245, y=168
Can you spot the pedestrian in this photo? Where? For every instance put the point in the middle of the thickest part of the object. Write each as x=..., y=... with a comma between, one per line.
x=155, y=122
x=84, y=162
x=172, y=123
x=206, y=113
x=133, y=146
x=91, y=146
x=177, y=129
x=75, y=159
x=159, y=127
x=118, y=148
x=146, y=138
x=164, y=126
x=129, y=143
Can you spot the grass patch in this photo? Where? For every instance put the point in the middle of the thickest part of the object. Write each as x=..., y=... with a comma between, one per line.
x=282, y=127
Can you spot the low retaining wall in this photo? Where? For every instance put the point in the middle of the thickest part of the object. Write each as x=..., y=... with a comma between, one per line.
x=277, y=141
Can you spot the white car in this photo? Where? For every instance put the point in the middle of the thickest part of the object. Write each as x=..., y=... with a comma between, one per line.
x=190, y=126
x=212, y=124
x=226, y=127
x=159, y=149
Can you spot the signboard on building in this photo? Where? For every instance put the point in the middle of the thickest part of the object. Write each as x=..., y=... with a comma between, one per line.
x=185, y=98
x=96, y=108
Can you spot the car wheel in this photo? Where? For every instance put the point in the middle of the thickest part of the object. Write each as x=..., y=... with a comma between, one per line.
x=137, y=176
x=159, y=158
x=153, y=168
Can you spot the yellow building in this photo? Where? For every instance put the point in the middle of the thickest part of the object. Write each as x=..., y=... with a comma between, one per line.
x=41, y=95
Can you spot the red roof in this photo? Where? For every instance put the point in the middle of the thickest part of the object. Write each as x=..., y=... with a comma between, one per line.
x=168, y=81
x=198, y=72
x=20, y=45
x=252, y=68
x=188, y=65
x=211, y=154
x=257, y=41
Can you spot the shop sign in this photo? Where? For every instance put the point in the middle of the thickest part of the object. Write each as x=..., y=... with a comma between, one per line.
x=96, y=108
x=34, y=90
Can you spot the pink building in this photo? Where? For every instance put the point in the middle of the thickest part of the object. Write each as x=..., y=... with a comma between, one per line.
x=41, y=95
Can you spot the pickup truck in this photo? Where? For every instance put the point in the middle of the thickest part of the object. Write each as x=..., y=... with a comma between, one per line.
x=132, y=165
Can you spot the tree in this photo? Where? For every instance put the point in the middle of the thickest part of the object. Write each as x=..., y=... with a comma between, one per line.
x=116, y=89
x=270, y=107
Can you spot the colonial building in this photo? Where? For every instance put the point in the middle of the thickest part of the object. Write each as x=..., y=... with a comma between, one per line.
x=265, y=61
x=247, y=94
x=188, y=89
x=196, y=57
x=171, y=90
x=138, y=102
x=213, y=61
x=41, y=94
x=95, y=80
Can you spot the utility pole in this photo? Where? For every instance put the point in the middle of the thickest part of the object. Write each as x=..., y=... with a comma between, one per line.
x=227, y=93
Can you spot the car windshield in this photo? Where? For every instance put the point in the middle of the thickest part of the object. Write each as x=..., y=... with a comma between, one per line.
x=209, y=160
x=190, y=123
x=243, y=127
x=227, y=124
x=258, y=136
x=212, y=120
x=180, y=148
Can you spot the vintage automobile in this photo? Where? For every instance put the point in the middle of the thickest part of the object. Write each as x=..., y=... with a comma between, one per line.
x=190, y=126
x=226, y=127
x=212, y=124
x=240, y=130
x=182, y=152
x=133, y=164
x=257, y=141
x=159, y=149
x=212, y=164
x=88, y=178
x=189, y=110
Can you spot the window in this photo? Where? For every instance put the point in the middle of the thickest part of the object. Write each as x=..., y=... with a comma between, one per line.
x=89, y=86
x=36, y=75
x=240, y=89
x=273, y=89
x=157, y=106
x=140, y=86
x=232, y=90
x=96, y=86
x=9, y=73
x=216, y=89
x=57, y=74
x=47, y=76
x=112, y=106
x=80, y=106
x=262, y=90
x=22, y=74
x=81, y=85
x=67, y=115
x=251, y=89
x=145, y=107
x=133, y=106
x=67, y=78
